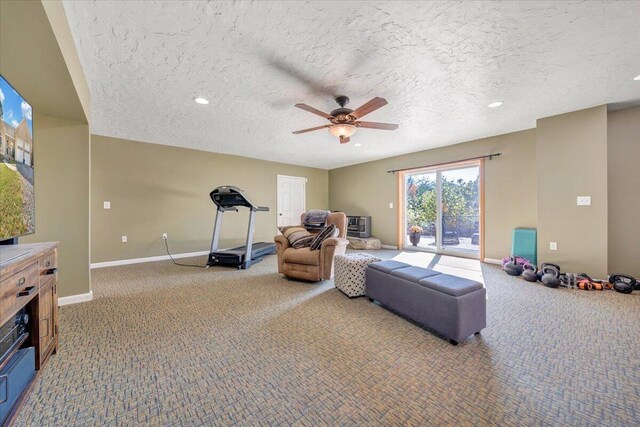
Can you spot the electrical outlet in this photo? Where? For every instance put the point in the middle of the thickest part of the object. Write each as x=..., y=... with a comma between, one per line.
x=124, y=239
x=391, y=205
x=553, y=246
x=106, y=205
x=583, y=201
x=164, y=236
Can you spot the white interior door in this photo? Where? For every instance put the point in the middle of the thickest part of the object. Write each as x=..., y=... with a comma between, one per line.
x=291, y=199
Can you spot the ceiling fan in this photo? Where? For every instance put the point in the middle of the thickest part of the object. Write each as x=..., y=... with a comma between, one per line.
x=344, y=121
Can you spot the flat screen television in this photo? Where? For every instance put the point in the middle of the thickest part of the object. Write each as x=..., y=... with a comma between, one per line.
x=17, y=197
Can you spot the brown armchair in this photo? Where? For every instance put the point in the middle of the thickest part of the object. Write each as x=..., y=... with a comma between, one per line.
x=306, y=264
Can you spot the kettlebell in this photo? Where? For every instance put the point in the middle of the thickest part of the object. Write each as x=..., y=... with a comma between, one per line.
x=512, y=268
x=542, y=266
x=539, y=273
x=530, y=273
x=551, y=275
x=622, y=283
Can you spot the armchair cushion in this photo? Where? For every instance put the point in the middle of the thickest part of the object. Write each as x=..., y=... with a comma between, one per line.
x=298, y=236
x=328, y=231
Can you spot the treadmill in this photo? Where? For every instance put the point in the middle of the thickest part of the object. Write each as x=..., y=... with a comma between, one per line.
x=229, y=198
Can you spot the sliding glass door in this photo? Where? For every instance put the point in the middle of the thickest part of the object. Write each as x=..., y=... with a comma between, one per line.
x=421, y=211
x=442, y=210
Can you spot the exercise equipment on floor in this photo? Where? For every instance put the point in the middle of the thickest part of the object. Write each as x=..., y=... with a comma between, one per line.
x=586, y=283
x=543, y=265
x=530, y=272
x=512, y=268
x=551, y=275
x=524, y=244
x=623, y=283
x=229, y=198
x=519, y=260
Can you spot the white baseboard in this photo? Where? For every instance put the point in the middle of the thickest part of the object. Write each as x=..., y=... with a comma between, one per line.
x=389, y=247
x=493, y=261
x=74, y=299
x=147, y=259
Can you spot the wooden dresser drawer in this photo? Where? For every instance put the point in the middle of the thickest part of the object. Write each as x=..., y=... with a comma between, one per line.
x=46, y=264
x=19, y=288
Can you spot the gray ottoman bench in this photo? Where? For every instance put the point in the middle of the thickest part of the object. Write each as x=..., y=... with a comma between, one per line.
x=453, y=306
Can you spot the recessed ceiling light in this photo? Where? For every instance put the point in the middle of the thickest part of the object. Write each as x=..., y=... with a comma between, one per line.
x=357, y=145
x=201, y=100
x=636, y=78
x=495, y=104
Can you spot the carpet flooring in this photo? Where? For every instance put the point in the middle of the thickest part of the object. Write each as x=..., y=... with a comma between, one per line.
x=175, y=346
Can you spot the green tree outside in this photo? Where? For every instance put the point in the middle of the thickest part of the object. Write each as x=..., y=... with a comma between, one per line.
x=460, y=203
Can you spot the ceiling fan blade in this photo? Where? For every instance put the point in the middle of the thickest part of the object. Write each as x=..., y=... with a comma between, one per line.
x=314, y=111
x=369, y=107
x=310, y=129
x=376, y=125
x=344, y=139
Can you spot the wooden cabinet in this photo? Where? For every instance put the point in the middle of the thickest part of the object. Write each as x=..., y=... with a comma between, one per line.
x=30, y=282
x=47, y=311
x=18, y=289
x=48, y=305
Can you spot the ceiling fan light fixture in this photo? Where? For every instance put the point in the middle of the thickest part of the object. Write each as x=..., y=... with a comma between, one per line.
x=344, y=130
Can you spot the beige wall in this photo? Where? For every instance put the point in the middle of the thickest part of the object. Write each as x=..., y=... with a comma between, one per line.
x=571, y=153
x=510, y=187
x=62, y=197
x=32, y=61
x=155, y=189
x=624, y=191
x=60, y=26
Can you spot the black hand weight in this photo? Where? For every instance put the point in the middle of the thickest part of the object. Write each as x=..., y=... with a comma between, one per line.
x=622, y=283
x=512, y=268
x=530, y=273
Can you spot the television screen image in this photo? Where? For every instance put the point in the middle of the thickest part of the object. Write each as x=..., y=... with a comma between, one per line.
x=17, y=207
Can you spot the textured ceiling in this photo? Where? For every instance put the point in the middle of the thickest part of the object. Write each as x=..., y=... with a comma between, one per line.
x=437, y=63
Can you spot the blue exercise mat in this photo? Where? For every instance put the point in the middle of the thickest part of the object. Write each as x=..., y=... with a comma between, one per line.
x=524, y=243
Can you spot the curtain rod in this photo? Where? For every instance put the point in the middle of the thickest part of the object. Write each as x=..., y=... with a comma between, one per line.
x=488, y=156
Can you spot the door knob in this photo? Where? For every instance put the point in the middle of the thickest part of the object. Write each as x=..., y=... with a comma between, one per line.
x=280, y=214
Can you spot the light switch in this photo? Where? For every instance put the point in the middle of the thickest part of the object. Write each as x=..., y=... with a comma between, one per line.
x=124, y=239
x=391, y=205
x=107, y=205
x=584, y=201
x=553, y=246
